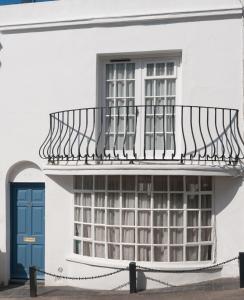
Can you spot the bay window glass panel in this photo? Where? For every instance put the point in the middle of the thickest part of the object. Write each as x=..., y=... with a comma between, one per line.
x=99, y=182
x=113, y=234
x=176, y=201
x=170, y=68
x=160, y=236
x=128, y=200
x=192, y=201
x=206, y=252
x=113, y=251
x=176, y=218
x=128, y=235
x=144, y=236
x=160, y=218
x=160, y=201
x=176, y=183
x=87, y=248
x=144, y=218
x=78, y=182
x=99, y=199
x=144, y=253
x=128, y=217
x=100, y=250
x=206, y=218
x=113, y=217
x=161, y=254
x=160, y=183
x=160, y=69
x=128, y=252
x=176, y=236
x=206, y=183
x=144, y=201
x=176, y=253
x=113, y=200
x=192, y=235
x=192, y=183
x=87, y=231
x=192, y=253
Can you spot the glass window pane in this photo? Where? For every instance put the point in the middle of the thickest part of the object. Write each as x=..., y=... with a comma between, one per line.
x=176, y=236
x=77, y=230
x=87, y=182
x=100, y=250
x=113, y=217
x=144, y=236
x=113, y=234
x=206, y=218
x=206, y=252
x=160, y=69
x=130, y=88
x=86, y=215
x=128, y=217
x=144, y=218
x=176, y=183
x=128, y=183
x=192, y=253
x=192, y=201
x=192, y=235
x=150, y=69
x=144, y=183
x=192, y=218
x=160, y=201
x=113, y=200
x=99, y=216
x=77, y=247
x=130, y=71
x=120, y=89
x=77, y=214
x=110, y=89
x=176, y=253
x=160, y=218
x=176, y=201
x=128, y=200
x=128, y=252
x=86, y=231
x=144, y=201
x=113, y=183
x=87, y=249
x=77, y=199
x=78, y=182
x=120, y=71
x=99, y=199
x=206, y=201
x=113, y=251
x=170, y=87
x=144, y=253
x=149, y=88
x=170, y=68
x=160, y=236
x=176, y=218
x=161, y=254
x=86, y=201
x=128, y=235
x=206, y=183
x=160, y=183
x=99, y=233
x=109, y=71
x=206, y=234
x=100, y=182
x=192, y=184
x=160, y=87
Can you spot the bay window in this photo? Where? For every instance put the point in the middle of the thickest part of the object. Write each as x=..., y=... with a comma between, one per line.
x=144, y=218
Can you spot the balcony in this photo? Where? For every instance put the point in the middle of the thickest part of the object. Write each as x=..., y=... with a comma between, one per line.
x=144, y=133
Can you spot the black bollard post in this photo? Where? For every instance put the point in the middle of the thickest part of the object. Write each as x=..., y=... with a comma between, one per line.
x=33, y=282
x=241, y=269
x=132, y=276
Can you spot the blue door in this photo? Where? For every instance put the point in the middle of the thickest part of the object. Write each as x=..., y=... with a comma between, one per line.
x=27, y=228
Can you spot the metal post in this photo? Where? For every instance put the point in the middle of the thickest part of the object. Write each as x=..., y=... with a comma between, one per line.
x=241, y=269
x=132, y=277
x=33, y=282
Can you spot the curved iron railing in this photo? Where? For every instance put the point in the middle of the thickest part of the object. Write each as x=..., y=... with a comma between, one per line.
x=155, y=132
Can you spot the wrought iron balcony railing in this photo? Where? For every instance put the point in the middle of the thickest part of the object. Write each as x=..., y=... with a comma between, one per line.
x=168, y=132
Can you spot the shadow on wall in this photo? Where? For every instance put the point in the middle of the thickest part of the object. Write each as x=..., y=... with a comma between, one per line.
x=226, y=189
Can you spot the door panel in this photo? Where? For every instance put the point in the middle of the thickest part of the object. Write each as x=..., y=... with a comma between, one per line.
x=27, y=228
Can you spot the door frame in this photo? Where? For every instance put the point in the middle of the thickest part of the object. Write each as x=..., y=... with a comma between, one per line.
x=12, y=186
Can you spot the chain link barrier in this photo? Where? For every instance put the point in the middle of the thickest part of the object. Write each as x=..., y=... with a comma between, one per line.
x=188, y=270
x=81, y=278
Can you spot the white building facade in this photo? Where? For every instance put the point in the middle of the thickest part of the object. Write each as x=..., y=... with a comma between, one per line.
x=121, y=132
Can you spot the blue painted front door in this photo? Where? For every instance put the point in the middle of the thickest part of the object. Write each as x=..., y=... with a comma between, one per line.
x=27, y=228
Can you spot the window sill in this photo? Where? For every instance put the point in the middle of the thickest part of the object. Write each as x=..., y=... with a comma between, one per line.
x=113, y=264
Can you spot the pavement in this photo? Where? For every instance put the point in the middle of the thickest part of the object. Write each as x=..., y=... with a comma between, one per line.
x=223, y=289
